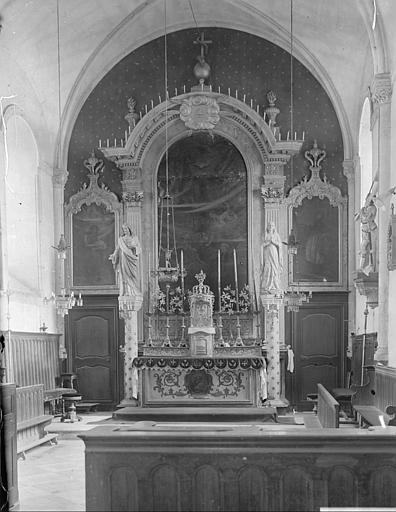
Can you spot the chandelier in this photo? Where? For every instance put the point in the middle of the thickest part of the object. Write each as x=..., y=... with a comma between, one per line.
x=168, y=270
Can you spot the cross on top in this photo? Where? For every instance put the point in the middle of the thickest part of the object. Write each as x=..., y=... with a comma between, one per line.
x=204, y=43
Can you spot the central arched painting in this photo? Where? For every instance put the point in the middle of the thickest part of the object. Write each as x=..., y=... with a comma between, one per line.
x=207, y=181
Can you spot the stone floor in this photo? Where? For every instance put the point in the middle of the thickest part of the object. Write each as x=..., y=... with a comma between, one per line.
x=53, y=477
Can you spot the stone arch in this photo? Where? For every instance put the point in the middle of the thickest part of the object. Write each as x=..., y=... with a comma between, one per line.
x=146, y=25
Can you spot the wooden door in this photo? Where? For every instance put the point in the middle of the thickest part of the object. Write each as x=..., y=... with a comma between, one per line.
x=317, y=334
x=93, y=343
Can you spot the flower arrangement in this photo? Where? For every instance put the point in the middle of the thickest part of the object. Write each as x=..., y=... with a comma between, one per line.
x=228, y=300
x=176, y=301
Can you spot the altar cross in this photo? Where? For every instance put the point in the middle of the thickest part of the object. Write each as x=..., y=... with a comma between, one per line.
x=204, y=43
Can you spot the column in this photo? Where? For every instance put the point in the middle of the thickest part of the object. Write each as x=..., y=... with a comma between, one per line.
x=59, y=179
x=381, y=93
x=129, y=306
x=132, y=198
x=349, y=166
x=274, y=211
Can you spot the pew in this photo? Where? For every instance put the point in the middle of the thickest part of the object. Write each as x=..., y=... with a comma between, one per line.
x=31, y=420
x=328, y=410
x=375, y=398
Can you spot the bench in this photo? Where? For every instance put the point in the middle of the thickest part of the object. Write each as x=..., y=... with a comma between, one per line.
x=369, y=415
x=31, y=420
x=328, y=410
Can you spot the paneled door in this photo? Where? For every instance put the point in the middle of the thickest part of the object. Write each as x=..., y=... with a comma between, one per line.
x=93, y=342
x=318, y=337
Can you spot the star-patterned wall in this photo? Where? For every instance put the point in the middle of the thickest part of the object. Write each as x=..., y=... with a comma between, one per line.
x=239, y=61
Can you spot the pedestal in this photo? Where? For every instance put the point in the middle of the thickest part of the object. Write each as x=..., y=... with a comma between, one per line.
x=129, y=306
x=272, y=338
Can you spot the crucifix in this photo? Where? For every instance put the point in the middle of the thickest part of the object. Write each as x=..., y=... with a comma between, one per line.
x=204, y=44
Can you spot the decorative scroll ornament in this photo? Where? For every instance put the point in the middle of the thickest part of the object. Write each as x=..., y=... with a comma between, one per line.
x=93, y=193
x=315, y=186
x=381, y=88
x=200, y=112
x=131, y=117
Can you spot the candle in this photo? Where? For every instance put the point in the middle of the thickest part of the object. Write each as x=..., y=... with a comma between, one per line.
x=159, y=99
x=236, y=282
x=219, y=277
x=152, y=104
x=145, y=108
x=126, y=134
x=244, y=98
x=167, y=95
x=288, y=135
x=184, y=88
x=303, y=135
x=264, y=115
x=279, y=136
x=100, y=143
x=115, y=143
x=229, y=92
x=148, y=286
x=236, y=93
x=219, y=89
x=134, y=124
x=108, y=143
x=182, y=275
x=175, y=91
x=251, y=103
x=202, y=86
x=140, y=115
x=295, y=135
x=258, y=109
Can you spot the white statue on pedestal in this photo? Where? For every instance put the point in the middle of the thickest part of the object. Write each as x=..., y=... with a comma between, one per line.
x=125, y=260
x=272, y=261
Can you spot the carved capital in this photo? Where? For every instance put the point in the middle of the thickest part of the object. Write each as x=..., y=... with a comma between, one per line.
x=129, y=304
x=133, y=197
x=59, y=177
x=381, y=88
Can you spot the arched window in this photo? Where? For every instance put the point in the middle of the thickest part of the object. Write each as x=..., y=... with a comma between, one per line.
x=22, y=221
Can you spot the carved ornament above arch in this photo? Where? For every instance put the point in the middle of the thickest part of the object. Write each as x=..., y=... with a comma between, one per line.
x=200, y=110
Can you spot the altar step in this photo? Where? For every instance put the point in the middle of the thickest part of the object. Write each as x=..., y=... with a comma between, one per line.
x=196, y=414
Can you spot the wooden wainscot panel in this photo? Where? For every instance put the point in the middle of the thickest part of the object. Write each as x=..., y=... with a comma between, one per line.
x=238, y=468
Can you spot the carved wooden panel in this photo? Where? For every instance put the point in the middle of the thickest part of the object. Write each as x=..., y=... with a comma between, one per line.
x=207, y=491
x=124, y=490
x=165, y=484
x=253, y=489
x=92, y=333
x=342, y=487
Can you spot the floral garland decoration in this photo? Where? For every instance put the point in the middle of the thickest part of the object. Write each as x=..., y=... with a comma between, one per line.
x=176, y=301
x=228, y=300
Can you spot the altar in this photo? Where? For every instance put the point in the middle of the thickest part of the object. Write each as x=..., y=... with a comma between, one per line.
x=201, y=369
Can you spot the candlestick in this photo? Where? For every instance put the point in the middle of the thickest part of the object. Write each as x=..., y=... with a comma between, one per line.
x=210, y=88
x=148, y=285
x=295, y=135
x=219, y=277
x=279, y=136
x=202, y=86
x=236, y=282
x=182, y=276
x=134, y=124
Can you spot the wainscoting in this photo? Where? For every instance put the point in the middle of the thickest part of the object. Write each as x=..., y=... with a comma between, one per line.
x=32, y=358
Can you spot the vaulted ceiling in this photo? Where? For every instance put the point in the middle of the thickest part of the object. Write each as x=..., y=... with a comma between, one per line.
x=334, y=40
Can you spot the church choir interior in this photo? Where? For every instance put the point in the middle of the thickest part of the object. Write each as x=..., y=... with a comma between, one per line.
x=198, y=237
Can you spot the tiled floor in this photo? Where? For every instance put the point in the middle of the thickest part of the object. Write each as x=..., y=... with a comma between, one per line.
x=53, y=477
